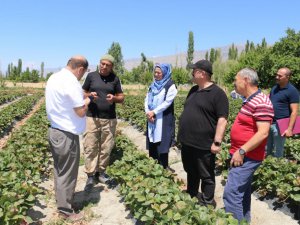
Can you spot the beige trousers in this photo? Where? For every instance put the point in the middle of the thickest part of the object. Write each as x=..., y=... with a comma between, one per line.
x=98, y=141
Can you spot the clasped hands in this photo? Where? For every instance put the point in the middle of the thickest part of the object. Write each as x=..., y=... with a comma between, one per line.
x=150, y=116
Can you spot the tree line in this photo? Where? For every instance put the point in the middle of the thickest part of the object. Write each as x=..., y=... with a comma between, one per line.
x=265, y=59
x=261, y=57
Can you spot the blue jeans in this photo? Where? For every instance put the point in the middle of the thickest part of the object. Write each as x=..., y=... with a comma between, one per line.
x=237, y=191
x=275, y=142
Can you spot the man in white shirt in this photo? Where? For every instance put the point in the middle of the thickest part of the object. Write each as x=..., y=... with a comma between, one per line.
x=66, y=108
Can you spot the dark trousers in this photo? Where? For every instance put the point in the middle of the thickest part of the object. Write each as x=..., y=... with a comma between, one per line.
x=65, y=150
x=199, y=166
x=162, y=158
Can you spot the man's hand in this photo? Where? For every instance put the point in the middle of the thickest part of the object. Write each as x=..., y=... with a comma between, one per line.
x=237, y=159
x=215, y=149
x=95, y=96
x=110, y=98
x=288, y=133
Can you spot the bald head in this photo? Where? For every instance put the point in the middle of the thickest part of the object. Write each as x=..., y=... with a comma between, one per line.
x=78, y=61
x=286, y=71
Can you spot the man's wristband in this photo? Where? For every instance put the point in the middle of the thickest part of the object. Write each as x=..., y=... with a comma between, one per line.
x=91, y=97
x=217, y=143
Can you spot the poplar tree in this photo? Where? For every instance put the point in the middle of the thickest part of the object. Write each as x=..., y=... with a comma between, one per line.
x=212, y=55
x=247, y=46
x=190, y=52
x=206, y=55
x=19, y=68
x=264, y=43
x=42, y=70
x=116, y=51
x=8, y=71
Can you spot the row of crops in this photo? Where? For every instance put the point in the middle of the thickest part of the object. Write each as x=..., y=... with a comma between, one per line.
x=279, y=178
x=151, y=193
x=24, y=158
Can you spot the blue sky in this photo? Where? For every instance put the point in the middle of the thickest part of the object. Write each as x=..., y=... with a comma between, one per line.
x=52, y=31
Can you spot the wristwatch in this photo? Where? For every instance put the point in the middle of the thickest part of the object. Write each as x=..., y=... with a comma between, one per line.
x=242, y=151
x=217, y=143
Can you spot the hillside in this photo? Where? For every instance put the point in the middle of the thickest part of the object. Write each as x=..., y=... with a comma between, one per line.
x=178, y=60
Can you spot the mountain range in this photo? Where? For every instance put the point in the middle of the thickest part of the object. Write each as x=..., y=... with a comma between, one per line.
x=177, y=60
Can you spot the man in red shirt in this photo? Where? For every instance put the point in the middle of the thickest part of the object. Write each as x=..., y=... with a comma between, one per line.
x=248, y=140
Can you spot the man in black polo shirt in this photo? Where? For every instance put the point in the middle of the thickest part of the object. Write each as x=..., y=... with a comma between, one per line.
x=201, y=129
x=98, y=140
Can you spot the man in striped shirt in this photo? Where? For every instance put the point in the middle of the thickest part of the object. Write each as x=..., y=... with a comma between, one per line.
x=248, y=140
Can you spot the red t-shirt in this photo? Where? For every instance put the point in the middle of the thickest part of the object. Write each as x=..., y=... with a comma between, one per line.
x=258, y=108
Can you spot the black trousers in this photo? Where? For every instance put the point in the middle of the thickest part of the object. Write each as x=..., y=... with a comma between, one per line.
x=199, y=166
x=163, y=158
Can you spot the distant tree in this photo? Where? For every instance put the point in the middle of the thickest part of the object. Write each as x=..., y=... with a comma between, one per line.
x=217, y=55
x=42, y=70
x=206, y=55
x=264, y=43
x=221, y=69
x=190, y=52
x=266, y=61
x=2, y=80
x=25, y=76
x=48, y=75
x=143, y=73
x=286, y=53
x=212, y=55
x=34, y=76
x=8, y=71
x=116, y=51
x=247, y=46
x=252, y=46
x=233, y=52
x=180, y=76
x=13, y=73
x=19, y=68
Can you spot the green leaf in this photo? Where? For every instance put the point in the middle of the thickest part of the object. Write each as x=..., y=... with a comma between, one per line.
x=163, y=206
x=177, y=217
x=295, y=197
x=149, y=213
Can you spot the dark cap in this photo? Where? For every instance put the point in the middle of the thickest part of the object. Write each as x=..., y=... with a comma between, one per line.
x=202, y=65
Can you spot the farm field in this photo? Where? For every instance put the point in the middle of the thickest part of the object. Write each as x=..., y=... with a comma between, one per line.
x=25, y=172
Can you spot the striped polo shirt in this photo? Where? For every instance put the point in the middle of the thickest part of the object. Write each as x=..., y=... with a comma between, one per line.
x=257, y=107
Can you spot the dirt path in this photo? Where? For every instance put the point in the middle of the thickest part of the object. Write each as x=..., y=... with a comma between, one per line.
x=103, y=206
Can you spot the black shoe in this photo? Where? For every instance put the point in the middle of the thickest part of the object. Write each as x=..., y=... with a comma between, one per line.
x=96, y=177
x=103, y=178
x=89, y=183
x=202, y=202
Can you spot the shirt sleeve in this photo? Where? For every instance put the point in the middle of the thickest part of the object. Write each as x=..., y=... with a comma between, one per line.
x=75, y=93
x=146, y=103
x=171, y=94
x=86, y=84
x=118, y=87
x=264, y=112
x=222, y=104
x=294, y=96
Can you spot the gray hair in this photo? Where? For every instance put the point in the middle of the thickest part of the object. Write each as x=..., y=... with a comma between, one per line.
x=251, y=74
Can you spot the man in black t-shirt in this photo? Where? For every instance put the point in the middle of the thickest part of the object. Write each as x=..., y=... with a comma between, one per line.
x=201, y=129
x=98, y=140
